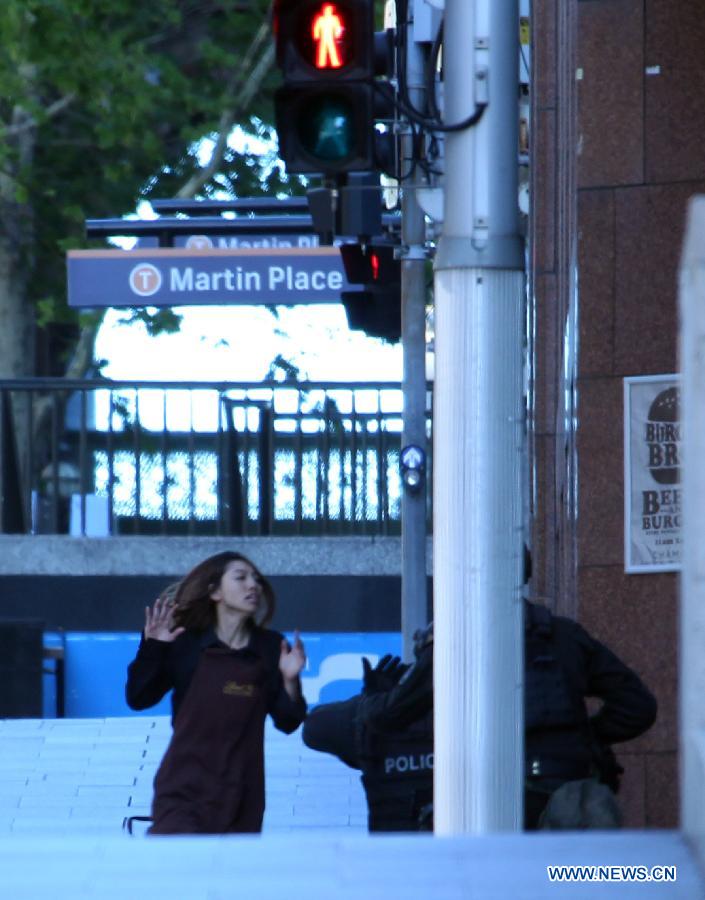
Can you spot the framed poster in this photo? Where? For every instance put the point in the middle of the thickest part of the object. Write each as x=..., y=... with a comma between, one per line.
x=652, y=474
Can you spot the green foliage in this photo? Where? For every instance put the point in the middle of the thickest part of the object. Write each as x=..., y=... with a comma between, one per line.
x=156, y=321
x=282, y=369
x=103, y=103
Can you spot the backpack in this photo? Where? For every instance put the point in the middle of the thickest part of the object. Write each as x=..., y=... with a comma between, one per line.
x=579, y=805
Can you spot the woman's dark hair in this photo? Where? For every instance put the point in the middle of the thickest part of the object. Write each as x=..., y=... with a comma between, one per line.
x=169, y=592
x=194, y=607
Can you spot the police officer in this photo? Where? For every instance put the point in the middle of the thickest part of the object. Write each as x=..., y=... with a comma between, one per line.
x=395, y=730
x=387, y=733
x=571, y=774
x=571, y=771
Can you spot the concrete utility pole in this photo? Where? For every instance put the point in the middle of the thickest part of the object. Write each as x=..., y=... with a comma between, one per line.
x=478, y=427
x=413, y=333
x=692, y=626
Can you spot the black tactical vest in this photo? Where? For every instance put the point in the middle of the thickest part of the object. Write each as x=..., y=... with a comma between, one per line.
x=550, y=700
x=397, y=774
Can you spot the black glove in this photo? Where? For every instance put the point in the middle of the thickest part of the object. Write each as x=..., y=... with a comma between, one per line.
x=384, y=676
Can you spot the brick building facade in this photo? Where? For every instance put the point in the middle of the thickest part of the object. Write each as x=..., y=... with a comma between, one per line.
x=618, y=107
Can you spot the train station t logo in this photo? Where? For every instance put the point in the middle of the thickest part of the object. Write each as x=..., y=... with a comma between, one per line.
x=145, y=280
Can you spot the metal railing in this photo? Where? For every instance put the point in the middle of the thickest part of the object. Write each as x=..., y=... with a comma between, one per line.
x=98, y=457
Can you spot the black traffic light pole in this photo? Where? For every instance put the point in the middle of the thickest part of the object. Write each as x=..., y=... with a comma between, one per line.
x=414, y=612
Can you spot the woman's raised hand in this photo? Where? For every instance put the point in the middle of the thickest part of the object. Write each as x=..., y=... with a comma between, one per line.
x=159, y=621
x=292, y=658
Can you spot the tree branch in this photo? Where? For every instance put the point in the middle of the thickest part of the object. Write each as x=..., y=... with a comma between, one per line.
x=245, y=90
x=82, y=356
x=80, y=361
x=30, y=122
x=242, y=87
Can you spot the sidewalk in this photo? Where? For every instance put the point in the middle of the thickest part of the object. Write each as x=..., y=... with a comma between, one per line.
x=317, y=866
x=66, y=785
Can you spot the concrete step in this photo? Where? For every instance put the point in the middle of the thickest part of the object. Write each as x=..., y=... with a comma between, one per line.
x=72, y=776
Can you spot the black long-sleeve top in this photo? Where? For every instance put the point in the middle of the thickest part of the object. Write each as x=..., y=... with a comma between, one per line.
x=590, y=669
x=628, y=706
x=163, y=666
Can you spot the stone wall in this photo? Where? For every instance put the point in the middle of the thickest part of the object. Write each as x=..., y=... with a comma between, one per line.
x=629, y=77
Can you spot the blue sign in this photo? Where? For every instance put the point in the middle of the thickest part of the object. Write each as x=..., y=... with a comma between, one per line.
x=209, y=276
x=96, y=668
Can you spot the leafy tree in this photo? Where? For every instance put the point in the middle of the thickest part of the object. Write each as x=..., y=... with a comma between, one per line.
x=101, y=104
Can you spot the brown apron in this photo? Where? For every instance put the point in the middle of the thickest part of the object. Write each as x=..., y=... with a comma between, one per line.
x=211, y=780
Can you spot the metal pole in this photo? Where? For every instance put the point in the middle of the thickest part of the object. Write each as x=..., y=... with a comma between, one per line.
x=478, y=434
x=414, y=612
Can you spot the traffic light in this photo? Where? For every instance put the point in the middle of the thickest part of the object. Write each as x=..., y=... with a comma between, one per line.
x=352, y=210
x=325, y=111
x=376, y=309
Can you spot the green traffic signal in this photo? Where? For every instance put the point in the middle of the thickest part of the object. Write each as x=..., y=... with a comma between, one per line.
x=325, y=128
x=326, y=132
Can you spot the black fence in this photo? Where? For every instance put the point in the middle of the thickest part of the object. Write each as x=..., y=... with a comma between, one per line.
x=101, y=457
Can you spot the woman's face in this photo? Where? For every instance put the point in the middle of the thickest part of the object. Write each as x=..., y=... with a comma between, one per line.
x=240, y=589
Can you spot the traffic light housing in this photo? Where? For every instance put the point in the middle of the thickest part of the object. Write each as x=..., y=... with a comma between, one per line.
x=352, y=210
x=325, y=111
x=376, y=309
x=325, y=39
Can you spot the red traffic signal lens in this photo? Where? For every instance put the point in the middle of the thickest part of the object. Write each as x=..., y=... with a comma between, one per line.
x=326, y=36
x=329, y=34
x=374, y=265
x=371, y=264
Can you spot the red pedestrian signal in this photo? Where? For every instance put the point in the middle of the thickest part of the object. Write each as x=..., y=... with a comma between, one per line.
x=329, y=37
x=325, y=39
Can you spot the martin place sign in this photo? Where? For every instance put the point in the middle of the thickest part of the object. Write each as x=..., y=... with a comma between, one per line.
x=179, y=277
